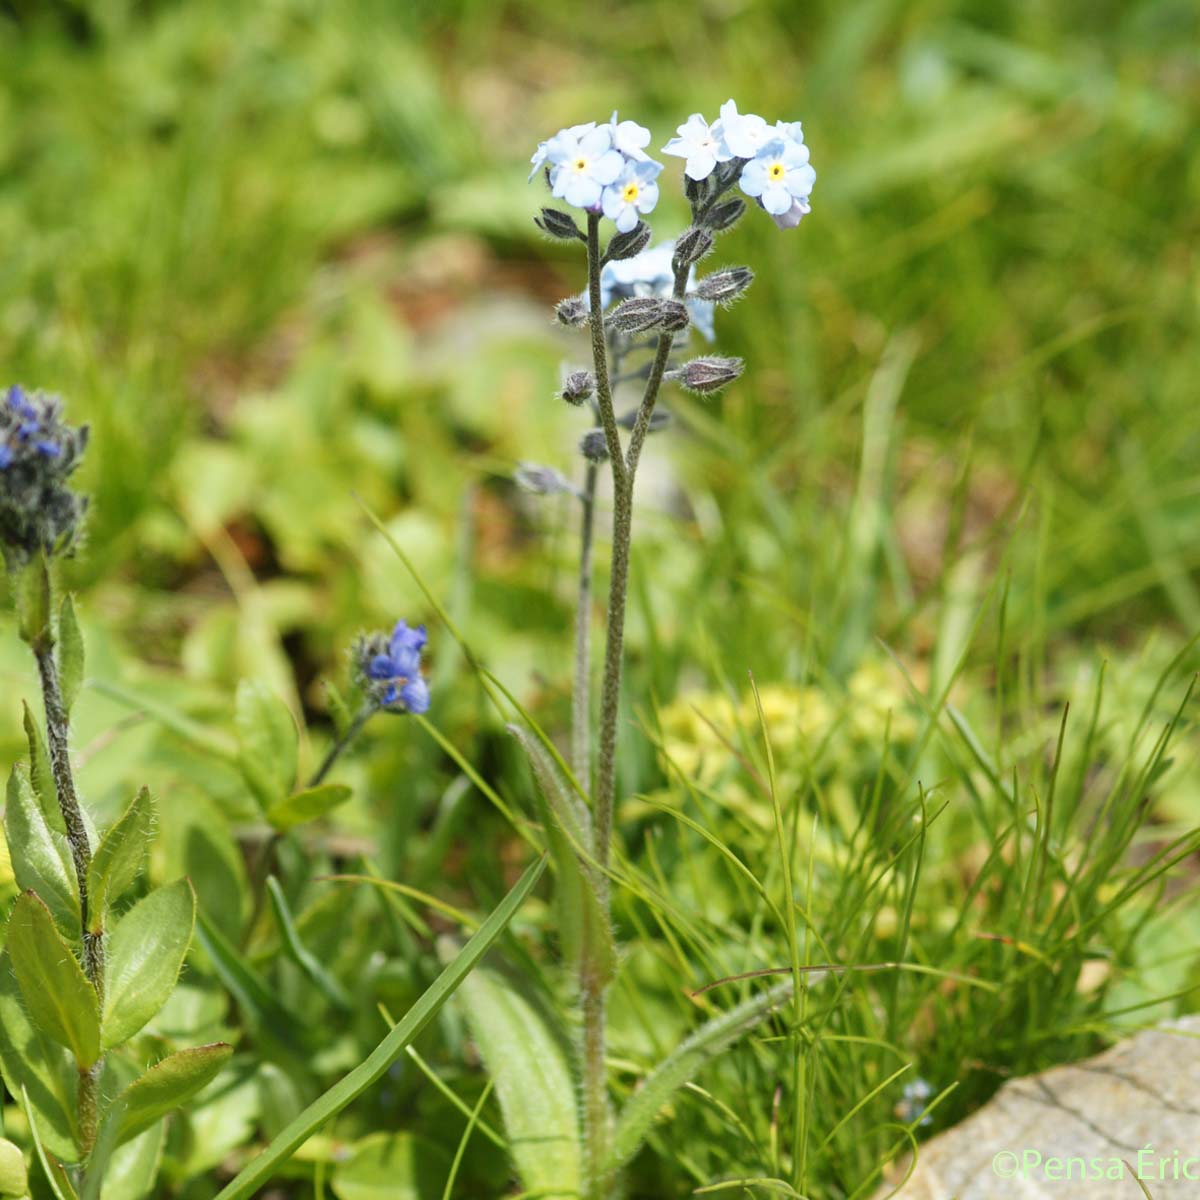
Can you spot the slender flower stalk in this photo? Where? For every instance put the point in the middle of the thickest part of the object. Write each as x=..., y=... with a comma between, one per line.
x=581, y=692
x=603, y=170
x=91, y=923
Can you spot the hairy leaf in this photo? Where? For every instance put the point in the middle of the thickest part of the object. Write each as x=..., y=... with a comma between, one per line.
x=119, y=857
x=145, y=952
x=58, y=996
x=41, y=861
x=529, y=1063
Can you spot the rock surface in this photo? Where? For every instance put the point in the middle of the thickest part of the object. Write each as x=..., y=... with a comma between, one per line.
x=1087, y=1131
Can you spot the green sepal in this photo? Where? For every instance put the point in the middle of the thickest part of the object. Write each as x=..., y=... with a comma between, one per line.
x=306, y=806
x=119, y=857
x=146, y=950
x=60, y=999
x=41, y=859
x=268, y=744
x=70, y=653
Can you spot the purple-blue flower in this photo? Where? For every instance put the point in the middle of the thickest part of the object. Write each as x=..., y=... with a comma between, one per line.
x=393, y=668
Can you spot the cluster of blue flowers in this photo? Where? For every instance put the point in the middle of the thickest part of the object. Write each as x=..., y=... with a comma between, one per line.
x=602, y=168
x=775, y=169
x=390, y=668
x=38, y=511
x=24, y=430
x=605, y=168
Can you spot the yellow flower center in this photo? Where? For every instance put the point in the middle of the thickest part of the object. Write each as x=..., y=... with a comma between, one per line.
x=776, y=171
x=581, y=164
x=630, y=194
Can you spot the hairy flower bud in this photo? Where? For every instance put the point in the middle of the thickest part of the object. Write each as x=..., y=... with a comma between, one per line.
x=724, y=286
x=38, y=453
x=641, y=314
x=577, y=387
x=558, y=224
x=594, y=446
x=542, y=481
x=675, y=316
x=626, y=245
x=705, y=375
x=692, y=245
x=725, y=215
x=571, y=312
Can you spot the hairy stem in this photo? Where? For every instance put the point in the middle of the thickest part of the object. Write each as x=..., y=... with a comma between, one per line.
x=91, y=923
x=581, y=705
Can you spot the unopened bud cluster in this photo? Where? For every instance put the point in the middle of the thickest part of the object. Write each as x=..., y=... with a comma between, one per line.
x=644, y=314
x=723, y=287
x=38, y=454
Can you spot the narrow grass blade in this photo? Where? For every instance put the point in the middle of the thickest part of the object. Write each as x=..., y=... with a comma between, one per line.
x=248, y=1181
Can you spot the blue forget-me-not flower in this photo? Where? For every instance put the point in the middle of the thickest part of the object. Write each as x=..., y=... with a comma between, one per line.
x=703, y=146
x=780, y=178
x=390, y=668
x=633, y=191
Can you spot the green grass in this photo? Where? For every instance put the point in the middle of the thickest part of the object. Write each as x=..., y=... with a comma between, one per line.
x=281, y=257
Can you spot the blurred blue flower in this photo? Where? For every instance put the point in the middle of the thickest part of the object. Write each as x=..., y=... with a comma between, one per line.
x=392, y=668
x=703, y=146
x=633, y=191
x=652, y=274
x=583, y=165
x=779, y=176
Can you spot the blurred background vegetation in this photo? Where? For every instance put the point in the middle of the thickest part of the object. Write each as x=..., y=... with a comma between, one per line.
x=281, y=257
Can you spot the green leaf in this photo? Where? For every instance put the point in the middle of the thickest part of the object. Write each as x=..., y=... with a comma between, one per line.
x=682, y=1064
x=191, y=731
x=70, y=653
x=119, y=857
x=530, y=1064
x=267, y=742
x=40, y=774
x=145, y=953
x=307, y=806
x=392, y=1166
x=256, y=1173
x=14, y=1179
x=300, y=954
x=133, y=1167
x=33, y=602
x=52, y=1170
x=583, y=921
x=261, y=1010
x=41, y=861
x=168, y=1085
x=31, y=1060
x=59, y=997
